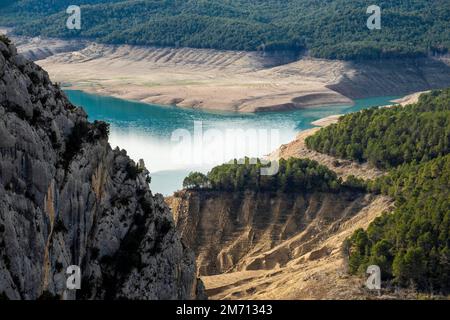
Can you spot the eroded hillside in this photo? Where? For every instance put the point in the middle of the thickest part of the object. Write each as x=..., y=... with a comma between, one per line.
x=274, y=246
x=229, y=80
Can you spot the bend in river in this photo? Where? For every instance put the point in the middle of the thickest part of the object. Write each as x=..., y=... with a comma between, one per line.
x=174, y=141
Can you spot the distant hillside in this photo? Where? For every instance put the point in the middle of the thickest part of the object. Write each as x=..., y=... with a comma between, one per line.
x=412, y=244
x=389, y=137
x=333, y=29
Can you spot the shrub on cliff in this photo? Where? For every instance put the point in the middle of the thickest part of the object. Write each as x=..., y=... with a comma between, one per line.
x=5, y=39
x=103, y=129
x=74, y=142
x=294, y=175
x=196, y=180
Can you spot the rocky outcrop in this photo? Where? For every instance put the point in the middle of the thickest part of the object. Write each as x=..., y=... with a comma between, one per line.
x=67, y=198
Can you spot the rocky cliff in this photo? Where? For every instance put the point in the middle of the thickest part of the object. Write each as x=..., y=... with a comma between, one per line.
x=274, y=245
x=67, y=198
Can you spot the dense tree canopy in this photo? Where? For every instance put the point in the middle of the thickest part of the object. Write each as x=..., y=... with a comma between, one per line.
x=294, y=175
x=196, y=180
x=388, y=137
x=412, y=244
x=330, y=29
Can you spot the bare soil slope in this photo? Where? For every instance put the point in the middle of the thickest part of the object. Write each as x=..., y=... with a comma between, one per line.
x=262, y=246
x=228, y=80
x=344, y=168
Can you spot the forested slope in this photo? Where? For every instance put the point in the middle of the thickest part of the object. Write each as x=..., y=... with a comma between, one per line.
x=411, y=244
x=329, y=29
x=388, y=137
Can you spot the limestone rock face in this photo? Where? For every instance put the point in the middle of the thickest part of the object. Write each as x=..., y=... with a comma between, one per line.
x=67, y=198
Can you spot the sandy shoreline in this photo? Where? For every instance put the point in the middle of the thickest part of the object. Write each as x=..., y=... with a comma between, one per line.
x=191, y=78
x=134, y=94
x=233, y=81
x=195, y=78
x=409, y=99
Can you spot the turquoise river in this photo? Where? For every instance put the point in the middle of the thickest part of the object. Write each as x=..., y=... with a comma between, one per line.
x=174, y=141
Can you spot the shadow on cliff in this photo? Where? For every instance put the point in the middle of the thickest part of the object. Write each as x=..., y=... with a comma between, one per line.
x=392, y=77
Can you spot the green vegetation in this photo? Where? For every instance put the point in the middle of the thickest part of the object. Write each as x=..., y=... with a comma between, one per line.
x=74, y=142
x=133, y=170
x=330, y=29
x=82, y=132
x=5, y=39
x=294, y=175
x=411, y=244
x=103, y=129
x=3, y=296
x=389, y=137
x=47, y=295
x=59, y=226
x=196, y=180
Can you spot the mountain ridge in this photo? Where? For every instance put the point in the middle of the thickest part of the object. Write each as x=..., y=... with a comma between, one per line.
x=409, y=29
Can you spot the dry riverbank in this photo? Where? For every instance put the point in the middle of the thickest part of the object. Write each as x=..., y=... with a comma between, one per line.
x=227, y=80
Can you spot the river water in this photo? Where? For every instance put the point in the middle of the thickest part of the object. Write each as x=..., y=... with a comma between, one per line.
x=174, y=141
